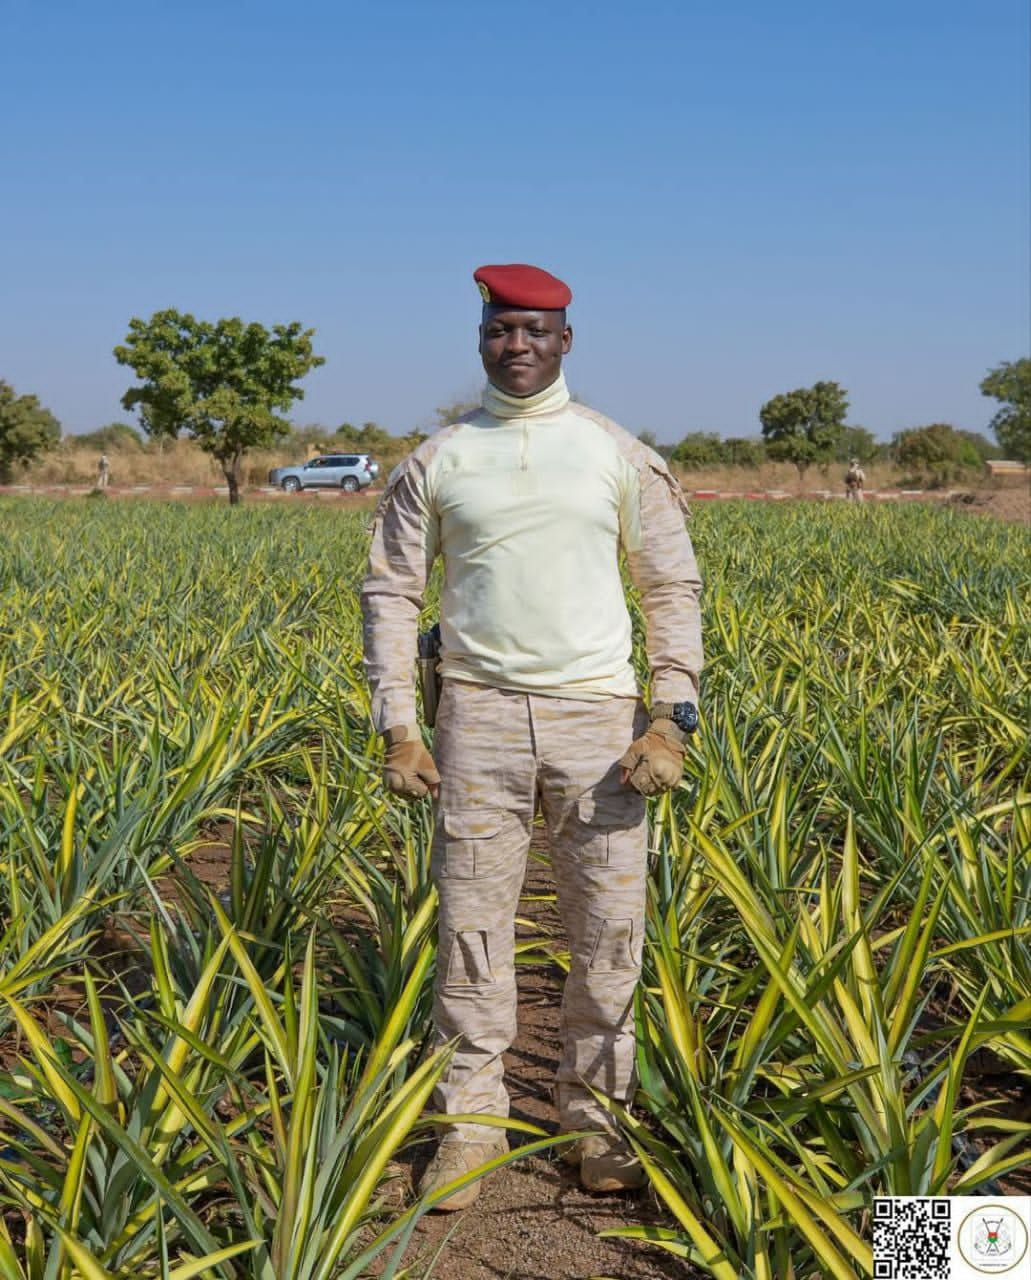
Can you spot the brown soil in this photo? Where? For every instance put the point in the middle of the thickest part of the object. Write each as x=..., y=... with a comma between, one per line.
x=1012, y=505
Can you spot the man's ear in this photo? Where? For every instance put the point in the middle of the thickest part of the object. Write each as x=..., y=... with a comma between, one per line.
x=567, y=339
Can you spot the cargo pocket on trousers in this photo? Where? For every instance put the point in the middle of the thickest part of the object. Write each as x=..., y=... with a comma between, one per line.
x=468, y=960
x=469, y=842
x=613, y=947
x=598, y=819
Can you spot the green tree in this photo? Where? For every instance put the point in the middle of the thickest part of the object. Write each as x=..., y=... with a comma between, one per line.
x=220, y=382
x=311, y=436
x=1010, y=382
x=27, y=430
x=934, y=454
x=740, y=451
x=373, y=436
x=698, y=449
x=116, y=435
x=804, y=426
x=370, y=435
x=983, y=447
x=856, y=442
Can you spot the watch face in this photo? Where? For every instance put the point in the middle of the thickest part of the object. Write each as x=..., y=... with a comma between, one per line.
x=685, y=716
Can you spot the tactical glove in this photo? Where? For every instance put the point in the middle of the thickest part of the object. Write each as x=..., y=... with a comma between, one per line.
x=654, y=762
x=408, y=768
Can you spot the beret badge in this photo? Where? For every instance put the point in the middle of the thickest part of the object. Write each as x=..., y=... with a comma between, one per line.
x=484, y=291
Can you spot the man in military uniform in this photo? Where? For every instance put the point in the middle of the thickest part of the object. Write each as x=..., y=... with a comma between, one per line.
x=529, y=500
x=855, y=479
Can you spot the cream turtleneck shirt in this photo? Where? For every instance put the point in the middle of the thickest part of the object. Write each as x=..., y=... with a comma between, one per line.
x=529, y=501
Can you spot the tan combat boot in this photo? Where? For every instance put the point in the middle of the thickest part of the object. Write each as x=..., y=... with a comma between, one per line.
x=607, y=1163
x=453, y=1158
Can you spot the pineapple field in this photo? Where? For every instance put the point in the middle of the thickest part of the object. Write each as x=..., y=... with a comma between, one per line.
x=217, y=930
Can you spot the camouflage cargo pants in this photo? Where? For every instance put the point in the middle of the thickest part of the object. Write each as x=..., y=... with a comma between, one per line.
x=501, y=755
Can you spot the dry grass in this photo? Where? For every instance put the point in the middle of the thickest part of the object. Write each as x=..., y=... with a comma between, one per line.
x=181, y=462
x=782, y=476
x=184, y=463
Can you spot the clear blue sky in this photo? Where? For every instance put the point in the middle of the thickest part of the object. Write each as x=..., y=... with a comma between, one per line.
x=744, y=196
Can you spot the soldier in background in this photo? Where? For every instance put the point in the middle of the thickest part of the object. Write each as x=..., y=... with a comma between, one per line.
x=855, y=479
x=103, y=471
x=529, y=501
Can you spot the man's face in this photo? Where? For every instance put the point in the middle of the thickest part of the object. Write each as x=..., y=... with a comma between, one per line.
x=522, y=350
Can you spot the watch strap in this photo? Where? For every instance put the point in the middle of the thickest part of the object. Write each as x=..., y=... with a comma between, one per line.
x=683, y=714
x=668, y=729
x=662, y=710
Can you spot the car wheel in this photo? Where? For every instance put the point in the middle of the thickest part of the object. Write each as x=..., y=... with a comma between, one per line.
x=291, y=484
x=349, y=484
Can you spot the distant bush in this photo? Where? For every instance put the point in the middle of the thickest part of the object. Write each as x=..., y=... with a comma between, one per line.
x=365, y=439
x=740, y=451
x=116, y=435
x=310, y=438
x=935, y=455
x=857, y=442
x=986, y=448
x=698, y=449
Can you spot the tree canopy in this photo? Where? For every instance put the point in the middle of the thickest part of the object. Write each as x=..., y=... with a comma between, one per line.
x=857, y=442
x=116, y=435
x=698, y=449
x=1010, y=382
x=982, y=446
x=220, y=381
x=743, y=451
x=804, y=426
x=27, y=430
x=934, y=454
x=367, y=438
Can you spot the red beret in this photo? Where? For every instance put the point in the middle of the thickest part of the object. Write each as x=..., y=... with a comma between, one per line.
x=514, y=284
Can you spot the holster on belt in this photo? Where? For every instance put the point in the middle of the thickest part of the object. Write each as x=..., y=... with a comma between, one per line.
x=426, y=661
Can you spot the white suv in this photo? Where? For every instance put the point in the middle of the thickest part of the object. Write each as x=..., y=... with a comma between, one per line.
x=347, y=471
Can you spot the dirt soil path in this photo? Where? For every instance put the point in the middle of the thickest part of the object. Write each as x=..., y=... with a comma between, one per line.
x=532, y=1220
x=1011, y=505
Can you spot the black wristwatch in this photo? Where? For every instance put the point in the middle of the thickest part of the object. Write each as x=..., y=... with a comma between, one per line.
x=683, y=714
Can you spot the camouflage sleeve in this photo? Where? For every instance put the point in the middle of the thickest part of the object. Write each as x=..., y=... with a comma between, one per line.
x=663, y=568
x=404, y=546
